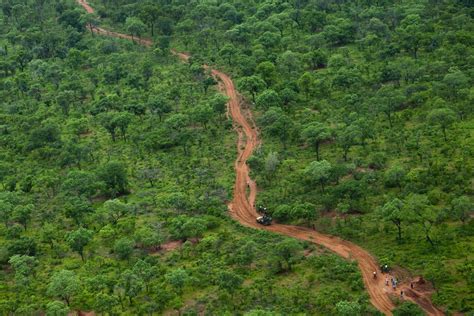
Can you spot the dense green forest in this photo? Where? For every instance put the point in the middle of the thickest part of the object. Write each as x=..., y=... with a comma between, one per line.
x=366, y=113
x=109, y=151
x=116, y=160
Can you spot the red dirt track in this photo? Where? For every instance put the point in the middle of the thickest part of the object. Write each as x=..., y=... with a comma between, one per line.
x=242, y=209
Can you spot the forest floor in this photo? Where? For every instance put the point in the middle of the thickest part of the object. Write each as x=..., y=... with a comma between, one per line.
x=242, y=206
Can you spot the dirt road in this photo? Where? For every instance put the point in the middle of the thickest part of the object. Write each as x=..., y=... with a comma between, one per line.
x=242, y=206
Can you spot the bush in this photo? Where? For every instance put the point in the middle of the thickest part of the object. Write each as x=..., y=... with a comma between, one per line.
x=408, y=309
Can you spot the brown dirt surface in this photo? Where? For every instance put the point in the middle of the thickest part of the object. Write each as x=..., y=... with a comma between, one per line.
x=242, y=208
x=171, y=245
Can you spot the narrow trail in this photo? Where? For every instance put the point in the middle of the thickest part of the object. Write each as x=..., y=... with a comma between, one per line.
x=241, y=207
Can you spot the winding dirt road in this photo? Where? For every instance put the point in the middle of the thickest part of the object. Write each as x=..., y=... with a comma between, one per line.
x=241, y=207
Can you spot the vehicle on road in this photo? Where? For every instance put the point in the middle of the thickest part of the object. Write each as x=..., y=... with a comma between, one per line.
x=264, y=220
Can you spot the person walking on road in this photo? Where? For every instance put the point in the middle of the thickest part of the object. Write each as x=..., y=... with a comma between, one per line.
x=386, y=281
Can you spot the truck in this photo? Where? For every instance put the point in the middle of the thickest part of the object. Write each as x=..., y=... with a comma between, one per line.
x=264, y=219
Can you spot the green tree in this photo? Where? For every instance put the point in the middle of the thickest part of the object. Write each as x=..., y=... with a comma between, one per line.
x=124, y=248
x=65, y=99
x=150, y=14
x=290, y=63
x=316, y=59
x=148, y=238
x=271, y=164
x=306, y=211
x=455, y=81
x=395, y=176
x=421, y=212
x=246, y=253
x=6, y=211
x=22, y=214
x=208, y=82
x=276, y=123
x=107, y=120
x=202, y=114
x=47, y=135
x=180, y=133
x=219, y=104
x=319, y=172
x=159, y=106
x=412, y=34
x=49, y=234
x=135, y=27
x=339, y=32
x=57, y=308
x=64, y=284
x=252, y=85
x=122, y=120
x=152, y=175
x=146, y=272
x=345, y=308
x=388, y=100
x=286, y=252
x=461, y=208
x=114, y=175
x=267, y=72
x=267, y=99
x=79, y=239
x=347, y=137
x=314, y=134
x=177, y=278
x=444, y=118
x=24, y=267
x=90, y=21
x=131, y=284
x=183, y=228
x=305, y=83
x=114, y=210
x=393, y=211
x=229, y=281
x=76, y=208
x=227, y=52
x=22, y=246
x=105, y=303
x=270, y=40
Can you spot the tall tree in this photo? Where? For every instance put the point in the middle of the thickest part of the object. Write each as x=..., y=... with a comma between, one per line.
x=444, y=118
x=135, y=27
x=22, y=214
x=393, y=211
x=319, y=172
x=252, y=84
x=79, y=239
x=276, y=123
x=65, y=285
x=114, y=175
x=314, y=134
x=388, y=100
x=422, y=213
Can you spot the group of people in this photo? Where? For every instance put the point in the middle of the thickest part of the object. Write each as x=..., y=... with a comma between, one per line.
x=393, y=280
